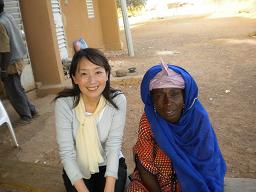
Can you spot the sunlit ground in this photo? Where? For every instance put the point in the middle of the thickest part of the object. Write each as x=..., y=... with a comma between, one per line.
x=237, y=9
x=214, y=9
x=238, y=41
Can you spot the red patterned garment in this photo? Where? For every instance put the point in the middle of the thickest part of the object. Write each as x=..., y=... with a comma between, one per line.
x=154, y=160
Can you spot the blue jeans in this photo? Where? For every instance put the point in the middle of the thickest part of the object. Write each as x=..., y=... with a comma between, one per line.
x=17, y=96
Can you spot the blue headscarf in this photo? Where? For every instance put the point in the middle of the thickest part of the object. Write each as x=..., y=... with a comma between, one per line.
x=191, y=143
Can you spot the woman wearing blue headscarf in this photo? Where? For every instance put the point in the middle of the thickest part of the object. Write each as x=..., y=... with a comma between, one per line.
x=177, y=149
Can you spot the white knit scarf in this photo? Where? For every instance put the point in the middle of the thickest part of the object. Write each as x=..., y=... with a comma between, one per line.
x=89, y=149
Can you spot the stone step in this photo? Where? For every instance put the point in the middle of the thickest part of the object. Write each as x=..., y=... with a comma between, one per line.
x=17, y=176
x=240, y=185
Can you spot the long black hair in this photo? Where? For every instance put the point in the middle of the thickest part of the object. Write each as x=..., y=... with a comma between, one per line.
x=1, y=6
x=96, y=57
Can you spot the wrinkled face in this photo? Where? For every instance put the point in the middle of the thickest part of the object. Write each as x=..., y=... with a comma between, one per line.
x=168, y=102
x=90, y=78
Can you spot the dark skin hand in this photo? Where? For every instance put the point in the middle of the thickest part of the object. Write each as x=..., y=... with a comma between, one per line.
x=149, y=180
x=4, y=61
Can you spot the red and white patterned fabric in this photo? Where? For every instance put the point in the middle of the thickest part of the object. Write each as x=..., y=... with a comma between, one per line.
x=154, y=160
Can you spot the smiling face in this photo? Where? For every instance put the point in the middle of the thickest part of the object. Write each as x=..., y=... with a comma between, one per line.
x=168, y=102
x=90, y=78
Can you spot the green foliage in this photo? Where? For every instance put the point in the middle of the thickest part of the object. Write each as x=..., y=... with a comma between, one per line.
x=133, y=5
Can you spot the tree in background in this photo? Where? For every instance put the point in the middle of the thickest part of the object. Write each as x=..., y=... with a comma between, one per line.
x=133, y=6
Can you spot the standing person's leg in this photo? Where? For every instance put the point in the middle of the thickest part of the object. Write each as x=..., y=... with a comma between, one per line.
x=19, y=67
x=32, y=107
x=17, y=96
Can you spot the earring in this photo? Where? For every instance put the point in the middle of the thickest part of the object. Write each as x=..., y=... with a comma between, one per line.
x=183, y=108
x=154, y=109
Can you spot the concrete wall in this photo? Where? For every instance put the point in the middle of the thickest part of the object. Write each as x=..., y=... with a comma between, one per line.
x=101, y=32
x=77, y=24
x=110, y=27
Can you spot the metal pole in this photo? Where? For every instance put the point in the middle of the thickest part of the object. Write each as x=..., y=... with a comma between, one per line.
x=128, y=34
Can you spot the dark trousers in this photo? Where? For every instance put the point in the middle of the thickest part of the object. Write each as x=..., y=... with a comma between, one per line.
x=17, y=96
x=97, y=181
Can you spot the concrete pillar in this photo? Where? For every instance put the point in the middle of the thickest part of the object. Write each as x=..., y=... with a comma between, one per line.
x=109, y=23
x=42, y=43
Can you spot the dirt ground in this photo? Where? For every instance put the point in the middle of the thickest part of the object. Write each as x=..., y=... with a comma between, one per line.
x=218, y=52
x=221, y=57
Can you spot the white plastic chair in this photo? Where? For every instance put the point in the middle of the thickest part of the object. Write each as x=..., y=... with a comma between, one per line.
x=4, y=118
